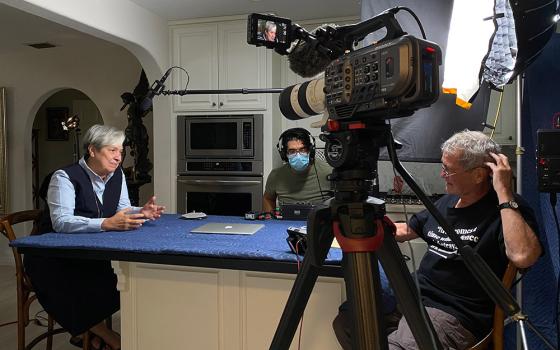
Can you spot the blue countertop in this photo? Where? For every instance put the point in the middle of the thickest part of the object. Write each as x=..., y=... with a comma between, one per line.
x=168, y=240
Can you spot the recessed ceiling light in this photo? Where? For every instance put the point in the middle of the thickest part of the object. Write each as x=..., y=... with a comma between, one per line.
x=44, y=45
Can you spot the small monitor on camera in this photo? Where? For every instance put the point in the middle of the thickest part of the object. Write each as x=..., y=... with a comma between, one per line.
x=269, y=31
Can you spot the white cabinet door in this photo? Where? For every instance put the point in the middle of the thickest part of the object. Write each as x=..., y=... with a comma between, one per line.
x=217, y=56
x=195, y=48
x=241, y=66
x=184, y=307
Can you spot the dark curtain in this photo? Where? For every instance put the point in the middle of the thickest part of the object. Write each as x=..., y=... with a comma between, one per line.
x=541, y=100
x=424, y=131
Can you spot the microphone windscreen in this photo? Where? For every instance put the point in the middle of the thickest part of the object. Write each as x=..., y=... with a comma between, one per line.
x=306, y=61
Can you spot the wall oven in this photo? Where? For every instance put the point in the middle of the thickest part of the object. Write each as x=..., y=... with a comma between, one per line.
x=219, y=195
x=219, y=165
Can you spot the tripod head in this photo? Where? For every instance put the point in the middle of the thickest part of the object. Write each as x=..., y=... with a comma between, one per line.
x=352, y=149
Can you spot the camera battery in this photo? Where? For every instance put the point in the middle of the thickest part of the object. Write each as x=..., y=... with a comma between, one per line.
x=252, y=215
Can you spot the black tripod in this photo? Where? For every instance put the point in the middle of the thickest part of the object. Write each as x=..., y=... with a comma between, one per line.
x=364, y=234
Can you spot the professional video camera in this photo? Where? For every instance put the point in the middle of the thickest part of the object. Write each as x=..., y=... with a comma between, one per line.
x=360, y=90
x=389, y=79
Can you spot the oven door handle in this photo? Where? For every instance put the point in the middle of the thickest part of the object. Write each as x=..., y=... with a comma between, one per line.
x=222, y=182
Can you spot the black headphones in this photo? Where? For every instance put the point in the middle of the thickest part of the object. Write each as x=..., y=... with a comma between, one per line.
x=298, y=134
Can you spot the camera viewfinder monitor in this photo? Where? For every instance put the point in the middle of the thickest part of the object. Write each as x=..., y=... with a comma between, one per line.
x=269, y=31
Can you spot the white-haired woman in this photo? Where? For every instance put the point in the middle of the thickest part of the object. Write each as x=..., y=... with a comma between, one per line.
x=89, y=196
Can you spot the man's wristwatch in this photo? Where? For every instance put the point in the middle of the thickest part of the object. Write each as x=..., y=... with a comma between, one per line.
x=508, y=205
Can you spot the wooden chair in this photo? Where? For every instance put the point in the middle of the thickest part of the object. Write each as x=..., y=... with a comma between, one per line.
x=25, y=294
x=496, y=335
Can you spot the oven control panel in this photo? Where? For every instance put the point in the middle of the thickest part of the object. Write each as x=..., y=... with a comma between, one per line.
x=220, y=167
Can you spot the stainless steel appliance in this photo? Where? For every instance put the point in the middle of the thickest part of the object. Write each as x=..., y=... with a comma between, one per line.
x=219, y=165
x=225, y=144
x=219, y=195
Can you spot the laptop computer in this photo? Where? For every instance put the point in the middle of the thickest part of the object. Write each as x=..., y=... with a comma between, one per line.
x=225, y=228
x=295, y=211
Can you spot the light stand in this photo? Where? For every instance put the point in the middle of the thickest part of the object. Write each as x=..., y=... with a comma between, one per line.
x=73, y=123
x=519, y=151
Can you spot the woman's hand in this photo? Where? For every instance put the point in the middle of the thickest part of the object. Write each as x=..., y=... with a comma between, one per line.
x=151, y=210
x=123, y=221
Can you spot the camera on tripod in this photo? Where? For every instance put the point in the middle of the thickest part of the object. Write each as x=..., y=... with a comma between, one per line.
x=389, y=79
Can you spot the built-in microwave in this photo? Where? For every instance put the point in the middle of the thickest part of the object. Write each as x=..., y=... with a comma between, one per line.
x=220, y=144
x=225, y=136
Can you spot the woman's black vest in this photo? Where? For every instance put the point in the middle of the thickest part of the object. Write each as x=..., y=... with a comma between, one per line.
x=87, y=204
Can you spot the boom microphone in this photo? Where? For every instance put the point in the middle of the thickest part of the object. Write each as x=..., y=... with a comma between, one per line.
x=303, y=100
x=157, y=87
x=306, y=61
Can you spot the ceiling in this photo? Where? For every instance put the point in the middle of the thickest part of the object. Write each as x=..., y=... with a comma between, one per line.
x=18, y=28
x=294, y=9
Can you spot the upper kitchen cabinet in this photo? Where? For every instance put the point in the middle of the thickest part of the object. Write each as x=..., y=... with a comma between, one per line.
x=216, y=56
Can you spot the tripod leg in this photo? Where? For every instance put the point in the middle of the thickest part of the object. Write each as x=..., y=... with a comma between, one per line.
x=319, y=241
x=361, y=275
x=407, y=296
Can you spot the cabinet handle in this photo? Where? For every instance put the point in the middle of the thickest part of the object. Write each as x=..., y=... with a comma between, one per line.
x=221, y=104
x=213, y=104
x=221, y=182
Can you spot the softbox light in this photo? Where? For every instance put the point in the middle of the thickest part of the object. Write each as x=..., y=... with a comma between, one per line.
x=523, y=27
x=535, y=22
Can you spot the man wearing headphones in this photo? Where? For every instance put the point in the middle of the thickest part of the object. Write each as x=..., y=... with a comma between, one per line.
x=302, y=179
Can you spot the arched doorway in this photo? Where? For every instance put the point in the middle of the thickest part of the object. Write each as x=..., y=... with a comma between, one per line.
x=53, y=147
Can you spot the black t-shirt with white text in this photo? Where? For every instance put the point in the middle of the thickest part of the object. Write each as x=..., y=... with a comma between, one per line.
x=445, y=281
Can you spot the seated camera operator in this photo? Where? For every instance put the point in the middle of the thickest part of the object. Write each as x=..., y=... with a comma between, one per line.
x=486, y=214
x=303, y=179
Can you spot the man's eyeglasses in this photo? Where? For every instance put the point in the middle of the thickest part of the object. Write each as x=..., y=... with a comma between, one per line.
x=447, y=174
x=301, y=151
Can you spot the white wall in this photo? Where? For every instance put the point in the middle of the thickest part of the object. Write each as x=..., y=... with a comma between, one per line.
x=145, y=35
x=142, y=33
x=102, y=72
x=119, y=21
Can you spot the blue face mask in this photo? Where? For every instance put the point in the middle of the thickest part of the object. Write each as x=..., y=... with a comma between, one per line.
x=299, y=161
